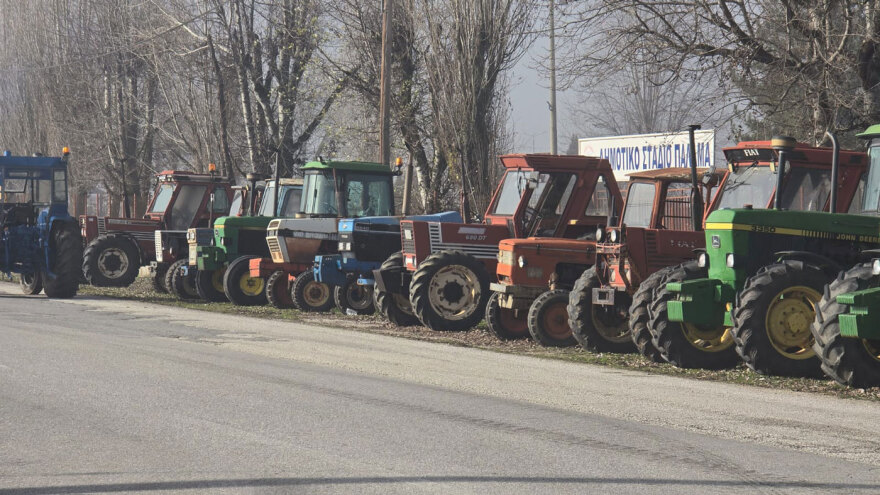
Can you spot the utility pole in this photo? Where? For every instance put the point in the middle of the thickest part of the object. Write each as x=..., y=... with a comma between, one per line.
x=553, y=141
x=385, y=89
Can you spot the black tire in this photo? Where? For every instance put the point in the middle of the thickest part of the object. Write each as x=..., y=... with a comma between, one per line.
x=67, y=264
x=598, y=328
x=396, y=307
x=278, y=290
x=358, y=298
x=240, y=288
x=788, y=351
x=159, y=278
x=466, y=274
x=639, y=316
x=548, y=320
x=31, y=283
x=111, y=260
x=676, y=341
x=505, y=323
x=180, y=285
x=310, y=295
x=848, y=361
x=209, y=285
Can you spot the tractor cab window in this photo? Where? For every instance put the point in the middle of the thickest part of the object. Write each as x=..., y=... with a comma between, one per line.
x=748, y=185
x=59, y=188
x=639, y=205
x=185, y=207
x=291, y=197
x=855, y=204
x=677, y=213
x=547, y=203
x=806, y=189
x=221, y=201
x=163, y=197
x=599, y=205
x=319, y=194
x=267, y=202
x=368, y=195
x=235, y=207
x=26, y=187
x=872, y=188
x=513, y=186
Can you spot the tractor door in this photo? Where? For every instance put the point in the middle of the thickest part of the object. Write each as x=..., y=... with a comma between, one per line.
x=513, y=190
x=545, y=208
x=186, y=205
x=675, y=238
x=582, y=220
x=638, y=216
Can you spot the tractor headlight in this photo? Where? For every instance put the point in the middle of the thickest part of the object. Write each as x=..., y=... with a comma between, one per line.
x=730, y=261
x=614, y=235
x=600, y=233
x=345, y=246
x=703, y=260
x=521, y=261
x=875, y=267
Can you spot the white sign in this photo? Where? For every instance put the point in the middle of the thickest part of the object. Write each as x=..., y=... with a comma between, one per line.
x=639, y=152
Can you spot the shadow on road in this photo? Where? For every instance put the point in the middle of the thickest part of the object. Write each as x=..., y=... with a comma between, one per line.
x=290, y=482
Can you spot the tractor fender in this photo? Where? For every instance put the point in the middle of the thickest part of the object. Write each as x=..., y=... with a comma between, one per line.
x=827, y=265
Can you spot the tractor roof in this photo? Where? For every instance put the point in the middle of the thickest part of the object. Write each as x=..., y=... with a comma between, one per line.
x=32, y=161
x=544, y=161
x=762, y=151
x=290, y=182
x=370, y=167
x=670, y=174
x=870, y=132
x=182, y=175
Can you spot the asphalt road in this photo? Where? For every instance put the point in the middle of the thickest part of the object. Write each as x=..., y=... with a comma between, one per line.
x=102, y=396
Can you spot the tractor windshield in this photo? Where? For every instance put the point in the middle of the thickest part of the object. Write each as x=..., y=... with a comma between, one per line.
x=368, y=195
x=547, y=203
x=513, y=185
x=872, y=188
x=291, y=197
x=748, y=185
x=20, y=186
x=267, y=204
x=319, y=194
x=162, y=198
x=639, y=205
x=806, y=189
x=187, y=205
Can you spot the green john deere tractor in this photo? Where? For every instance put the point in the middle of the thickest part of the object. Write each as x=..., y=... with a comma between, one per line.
x=752, y=294
x=847, y=325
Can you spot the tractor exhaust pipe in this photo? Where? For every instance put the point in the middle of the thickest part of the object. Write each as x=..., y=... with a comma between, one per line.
x=783, y=145
x=835, y=169
x=277, y=185
x=696, y=197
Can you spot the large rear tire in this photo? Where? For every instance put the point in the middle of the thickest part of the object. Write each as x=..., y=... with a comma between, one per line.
x=548, y=320
x=683, y=344
x=503, y=322
x=66, y=266
x=598, y=328
x=240, y=288
x=639, y=316
x=772, y=318
x=449, y=291
x=278, y=290
x=159, y=278
x=111, y=260
x=31, y=283
x=182, y=285
x=351, y=296
x=396, y=307
x=209, y=285
x=848, y=361
x=310, y=295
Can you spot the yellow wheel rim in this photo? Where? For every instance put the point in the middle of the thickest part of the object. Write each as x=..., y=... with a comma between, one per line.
x=316, y=294
x=251, y=286
x=788, y=321
x=707, y=340
x=873, y=348
x=217, y=280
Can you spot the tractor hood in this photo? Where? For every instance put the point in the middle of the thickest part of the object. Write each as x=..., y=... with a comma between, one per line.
x=814, y=224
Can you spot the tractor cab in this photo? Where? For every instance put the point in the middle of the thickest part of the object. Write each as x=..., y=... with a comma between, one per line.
x=29, y=185
x=346, y=189
x=182, y=200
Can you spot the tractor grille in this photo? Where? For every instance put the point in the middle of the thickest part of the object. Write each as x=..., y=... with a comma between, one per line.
x=274, y=246
x=407, y=243
x=434, y=233
x=650, y=241
x=157, y=237
x=102, y=226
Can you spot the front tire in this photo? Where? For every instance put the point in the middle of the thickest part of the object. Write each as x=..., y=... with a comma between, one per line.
x=310, y=295
x=598, y=329
x=639, y=316
x=31, y=283
x=159, y=278
x=111, y=260
x=548, y=320
x=683, y=344
x=449, y=291
x=772, y=319
x=209, y=285
x=67, y=245
x=505, y=323
x=180, y=285
x=351, y=296
x=240, y=288
x=848, y=361
x=396, y=307
x=278, y=290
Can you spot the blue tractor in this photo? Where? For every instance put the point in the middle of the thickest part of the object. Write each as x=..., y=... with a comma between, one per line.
x=364, y=244
x=40, y=240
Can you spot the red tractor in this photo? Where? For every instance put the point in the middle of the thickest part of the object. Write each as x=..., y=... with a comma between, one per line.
x=116, y=248
x=608, y=307
x=444, y=267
